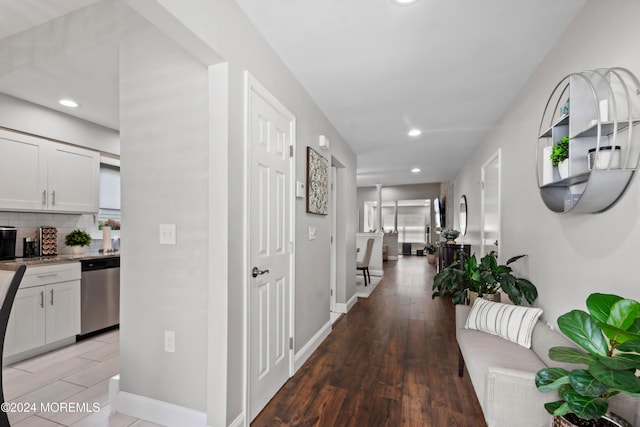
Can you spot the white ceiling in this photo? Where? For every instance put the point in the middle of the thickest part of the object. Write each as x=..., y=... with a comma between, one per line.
x=449, y=67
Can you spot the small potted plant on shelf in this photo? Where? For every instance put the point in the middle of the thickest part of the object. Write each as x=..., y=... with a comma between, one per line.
x=610, y=336
x=559, y=156
x=77, y=239
x=466, y=278
x=431, y=250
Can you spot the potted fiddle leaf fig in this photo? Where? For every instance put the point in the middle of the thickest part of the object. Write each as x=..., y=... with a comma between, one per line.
x=609, y=337
x=466, y=276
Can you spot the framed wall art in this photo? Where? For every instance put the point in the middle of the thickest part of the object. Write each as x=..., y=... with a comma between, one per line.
x=317, y=183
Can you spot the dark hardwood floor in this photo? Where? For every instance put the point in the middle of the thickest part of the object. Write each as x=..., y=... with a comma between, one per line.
x=391, y=361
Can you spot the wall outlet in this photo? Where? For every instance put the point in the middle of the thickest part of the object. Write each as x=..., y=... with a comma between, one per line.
x=170, y=341
x=167, y=234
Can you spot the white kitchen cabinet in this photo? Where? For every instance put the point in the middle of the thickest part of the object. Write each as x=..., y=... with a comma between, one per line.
x=23, y=172
x=25, y=330
x=42, y=175
x=62, y=310
x=46, y=310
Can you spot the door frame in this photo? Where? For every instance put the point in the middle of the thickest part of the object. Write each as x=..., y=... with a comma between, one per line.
x=253, y=85
x=333, y=279
x=497, y=155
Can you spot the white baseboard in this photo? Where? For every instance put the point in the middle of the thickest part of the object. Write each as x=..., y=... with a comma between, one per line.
x=311, y=346
x=238, y=422
x=157, y=411
x=344, y=308
x=378, y=273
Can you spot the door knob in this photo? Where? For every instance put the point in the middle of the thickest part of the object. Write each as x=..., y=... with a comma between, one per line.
x=495, y=243
x=255, y=272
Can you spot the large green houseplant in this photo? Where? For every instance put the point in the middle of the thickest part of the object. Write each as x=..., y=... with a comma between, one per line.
x=609, y=335
x=486, y=277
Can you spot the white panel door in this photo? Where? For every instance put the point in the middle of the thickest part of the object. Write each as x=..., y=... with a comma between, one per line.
x=270, y=136
x=491, y=204
x=74, y=179
x=23, y=172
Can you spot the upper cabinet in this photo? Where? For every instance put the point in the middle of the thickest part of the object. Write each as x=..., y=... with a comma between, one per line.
x=587, y=149
x=41, y=175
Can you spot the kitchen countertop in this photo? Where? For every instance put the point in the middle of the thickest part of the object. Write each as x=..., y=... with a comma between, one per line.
x=59, y=259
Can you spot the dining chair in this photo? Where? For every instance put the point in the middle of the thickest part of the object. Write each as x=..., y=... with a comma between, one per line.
x=10, y=278
x=364, y=264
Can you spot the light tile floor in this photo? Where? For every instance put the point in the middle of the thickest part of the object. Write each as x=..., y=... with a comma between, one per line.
x=68, y=382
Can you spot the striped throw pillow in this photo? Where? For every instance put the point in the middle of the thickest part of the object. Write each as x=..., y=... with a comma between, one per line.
x=508, y=321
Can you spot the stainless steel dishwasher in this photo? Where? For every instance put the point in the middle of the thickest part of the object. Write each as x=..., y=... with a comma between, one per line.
x=100, y=294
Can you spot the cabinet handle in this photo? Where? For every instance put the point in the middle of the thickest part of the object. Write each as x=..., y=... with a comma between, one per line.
x=41, y=299
x=53, y=198
x=42, y=276
x=51, y=296
x=44, y=197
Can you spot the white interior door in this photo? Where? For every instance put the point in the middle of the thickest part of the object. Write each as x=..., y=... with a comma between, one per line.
x=270, y=133
x=491, y=204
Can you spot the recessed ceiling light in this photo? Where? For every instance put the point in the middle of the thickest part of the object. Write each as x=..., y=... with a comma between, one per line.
x=415, y=170
x=69, y=103
x=403, y=2
x=415, y=132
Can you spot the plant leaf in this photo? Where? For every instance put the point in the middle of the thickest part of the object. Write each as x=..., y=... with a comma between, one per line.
x=527, y=289
x=571, y=355
x=515, y=258
x=581, y=329
x=599, y=306
x=617, y=335
x=624, y=313
x=585, y=384
x=621, y=361
x=623, y=380
x=587, y=408
x=548, y=379
x=557, y=408
x=630, y=346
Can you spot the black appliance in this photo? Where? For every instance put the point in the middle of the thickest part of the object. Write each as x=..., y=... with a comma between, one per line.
x=28, y=247
x=7, y=242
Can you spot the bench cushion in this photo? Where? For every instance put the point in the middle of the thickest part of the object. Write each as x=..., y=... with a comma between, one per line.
x=482, y=351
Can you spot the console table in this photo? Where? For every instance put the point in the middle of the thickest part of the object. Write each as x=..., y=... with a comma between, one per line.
x=447, y=253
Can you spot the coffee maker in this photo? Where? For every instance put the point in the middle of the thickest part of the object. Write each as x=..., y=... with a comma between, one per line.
x=7, y=242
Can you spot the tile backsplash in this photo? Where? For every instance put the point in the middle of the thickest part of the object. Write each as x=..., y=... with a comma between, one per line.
x=27, y=225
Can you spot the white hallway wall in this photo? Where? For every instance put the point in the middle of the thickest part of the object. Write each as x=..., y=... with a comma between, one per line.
x=164, y=175
x=570, y=256
x=223, y=26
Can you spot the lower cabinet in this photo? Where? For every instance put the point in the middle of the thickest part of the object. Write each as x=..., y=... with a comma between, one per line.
x=43, y=314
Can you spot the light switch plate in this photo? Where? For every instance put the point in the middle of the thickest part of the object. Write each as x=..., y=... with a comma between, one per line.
x=323, y=142
x=299, y=190
x=312, y=232
x=167, y=234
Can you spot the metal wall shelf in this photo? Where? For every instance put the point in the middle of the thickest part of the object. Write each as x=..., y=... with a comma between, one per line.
x=604, y=109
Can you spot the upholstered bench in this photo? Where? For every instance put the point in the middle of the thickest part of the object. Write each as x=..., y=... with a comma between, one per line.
x=502, y=373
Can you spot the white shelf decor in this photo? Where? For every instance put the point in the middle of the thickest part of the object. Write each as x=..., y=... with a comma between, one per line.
x=598, y=110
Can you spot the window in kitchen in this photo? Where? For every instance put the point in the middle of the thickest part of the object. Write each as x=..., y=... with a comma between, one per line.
x=109, y=213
